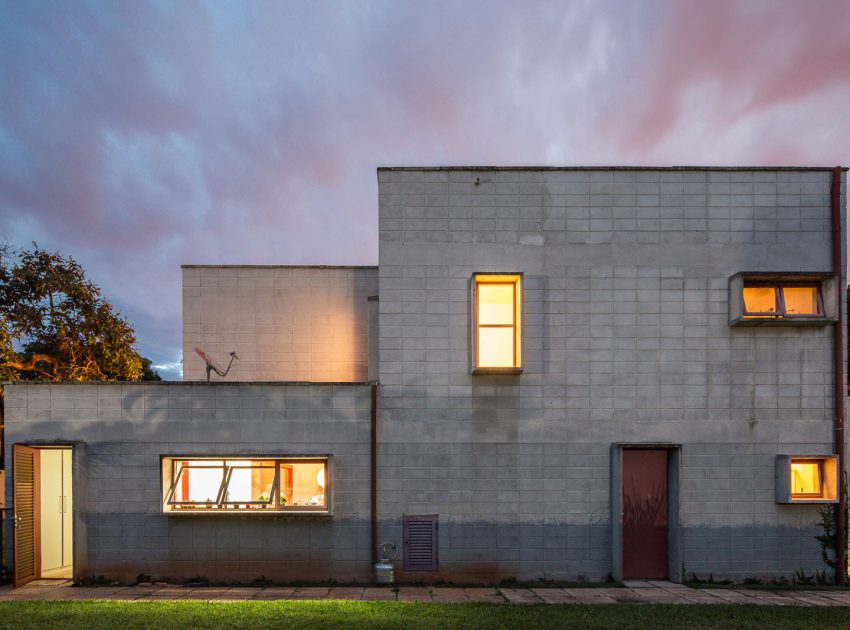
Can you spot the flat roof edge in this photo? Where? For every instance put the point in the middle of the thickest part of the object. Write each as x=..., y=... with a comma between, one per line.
x=609, y=168
x=194, y=266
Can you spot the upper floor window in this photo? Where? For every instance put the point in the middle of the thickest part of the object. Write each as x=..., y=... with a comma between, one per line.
x=245, y=484
x=782, y=300
x=794, y=298
x=497, y=311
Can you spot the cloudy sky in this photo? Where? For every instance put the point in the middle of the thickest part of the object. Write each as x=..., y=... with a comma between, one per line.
x=139, y=136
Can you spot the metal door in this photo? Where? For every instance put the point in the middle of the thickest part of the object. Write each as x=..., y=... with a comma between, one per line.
x=25, y=476
x=644, y=504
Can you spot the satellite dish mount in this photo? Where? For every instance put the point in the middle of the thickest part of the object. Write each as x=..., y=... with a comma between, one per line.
x=212, y=366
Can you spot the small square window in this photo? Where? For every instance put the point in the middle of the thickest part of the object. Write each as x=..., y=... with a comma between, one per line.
x=806, y=478
x=497, y=312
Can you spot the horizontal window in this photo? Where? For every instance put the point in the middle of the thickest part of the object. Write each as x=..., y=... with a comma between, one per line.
x=766, y=301
x=806, y=478
x=760, y=298
x=261, y=484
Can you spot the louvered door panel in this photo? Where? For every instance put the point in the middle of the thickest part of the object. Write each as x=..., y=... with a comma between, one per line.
x=420, y=542
x=25, y=476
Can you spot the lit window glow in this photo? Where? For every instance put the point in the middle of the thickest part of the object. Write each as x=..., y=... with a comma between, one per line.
x=801, y=300
x=806, y=478
x=498, y=321
x=760, y=299
x=779, y=301
x=245, y=484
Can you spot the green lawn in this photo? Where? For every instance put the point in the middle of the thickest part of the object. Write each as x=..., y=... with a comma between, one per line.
x=93, y=615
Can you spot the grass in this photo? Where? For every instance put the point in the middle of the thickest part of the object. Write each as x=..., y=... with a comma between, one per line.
x=97, y=615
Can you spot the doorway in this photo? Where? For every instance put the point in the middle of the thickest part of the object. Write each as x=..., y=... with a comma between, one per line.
x=644, y=506
x=43, y=512
x=646, y=521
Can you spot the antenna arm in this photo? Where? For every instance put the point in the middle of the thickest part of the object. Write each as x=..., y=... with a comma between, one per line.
x=232, y=356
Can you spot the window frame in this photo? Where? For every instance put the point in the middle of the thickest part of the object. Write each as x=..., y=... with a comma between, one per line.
x=827, y=284
x=779, y=296
x=515, y=278
x=169, y=484
x=809, y=495
x=827, y=471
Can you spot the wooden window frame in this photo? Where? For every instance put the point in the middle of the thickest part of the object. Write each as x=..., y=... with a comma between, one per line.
x=171, y=476
x=779, y=293
x=512, y=278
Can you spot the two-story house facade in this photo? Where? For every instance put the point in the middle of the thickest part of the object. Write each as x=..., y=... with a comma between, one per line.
x=552, y=373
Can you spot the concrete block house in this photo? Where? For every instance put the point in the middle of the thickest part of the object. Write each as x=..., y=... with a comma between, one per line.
x=552, y=373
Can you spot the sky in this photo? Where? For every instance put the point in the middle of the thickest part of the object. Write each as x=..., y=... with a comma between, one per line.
x=138, y=136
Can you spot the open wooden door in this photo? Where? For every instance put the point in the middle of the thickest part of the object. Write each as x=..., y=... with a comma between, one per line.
x=25, y=475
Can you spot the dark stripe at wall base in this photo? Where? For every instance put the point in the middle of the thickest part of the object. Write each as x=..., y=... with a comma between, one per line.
x=242, y=550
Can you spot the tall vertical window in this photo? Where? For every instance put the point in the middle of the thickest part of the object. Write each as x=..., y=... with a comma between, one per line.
x=498, y=322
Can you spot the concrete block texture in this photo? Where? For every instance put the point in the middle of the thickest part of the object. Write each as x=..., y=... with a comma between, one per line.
x=626, y=340
x=284, y=323
x=126, y=532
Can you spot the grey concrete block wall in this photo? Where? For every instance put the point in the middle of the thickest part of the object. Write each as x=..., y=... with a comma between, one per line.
x=626, y=339
x=286, y=323
x=126, y=428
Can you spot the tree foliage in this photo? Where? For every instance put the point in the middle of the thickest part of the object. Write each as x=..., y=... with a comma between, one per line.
x=55, y=325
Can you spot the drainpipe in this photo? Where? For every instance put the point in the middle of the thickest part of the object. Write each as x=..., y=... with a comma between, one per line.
x=373, y=453
x=840, y=393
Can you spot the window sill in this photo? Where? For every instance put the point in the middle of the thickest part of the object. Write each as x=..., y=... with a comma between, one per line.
x=507, y=371
x=782, y=321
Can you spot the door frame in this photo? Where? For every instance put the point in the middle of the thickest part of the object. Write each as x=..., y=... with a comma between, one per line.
x=36, y=516
x=79, y=559
x=674, y=507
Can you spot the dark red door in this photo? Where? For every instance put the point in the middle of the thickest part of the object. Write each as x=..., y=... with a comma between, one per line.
x=644, y=514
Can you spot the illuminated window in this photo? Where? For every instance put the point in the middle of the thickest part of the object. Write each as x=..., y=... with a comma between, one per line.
x=806, y=478
x=265, y=483
x=782, y=301
x=498, y=322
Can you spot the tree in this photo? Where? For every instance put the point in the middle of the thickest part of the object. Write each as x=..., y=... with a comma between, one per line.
x=55, y=325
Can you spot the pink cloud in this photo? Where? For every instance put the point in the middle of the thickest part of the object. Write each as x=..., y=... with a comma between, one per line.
x=756, y=56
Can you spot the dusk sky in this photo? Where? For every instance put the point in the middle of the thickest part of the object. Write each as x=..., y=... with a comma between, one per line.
x=138, y=136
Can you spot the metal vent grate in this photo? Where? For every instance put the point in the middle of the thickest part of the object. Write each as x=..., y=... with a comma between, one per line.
x=420, y=542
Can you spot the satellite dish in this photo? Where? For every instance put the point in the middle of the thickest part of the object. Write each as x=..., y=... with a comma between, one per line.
x=212, y=365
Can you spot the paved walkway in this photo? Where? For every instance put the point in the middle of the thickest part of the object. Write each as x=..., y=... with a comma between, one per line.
x=635, y=592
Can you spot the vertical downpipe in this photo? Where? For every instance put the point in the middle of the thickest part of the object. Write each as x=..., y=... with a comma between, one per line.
x=840, y=393
x=373, y=465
